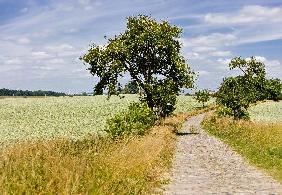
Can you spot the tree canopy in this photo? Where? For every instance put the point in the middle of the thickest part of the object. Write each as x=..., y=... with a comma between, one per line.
x=150, y=52
x=130, y=88
x=202, y=96
x=235, y=94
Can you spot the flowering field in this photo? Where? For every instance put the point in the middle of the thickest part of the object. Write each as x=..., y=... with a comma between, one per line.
x=47, y=118
x=267, y=112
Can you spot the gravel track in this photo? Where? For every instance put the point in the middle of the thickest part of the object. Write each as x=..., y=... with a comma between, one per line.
x=205, y=165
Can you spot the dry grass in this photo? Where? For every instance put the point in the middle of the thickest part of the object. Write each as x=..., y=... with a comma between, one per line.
x=259, y=143
x=95, y=166
x=134, y=165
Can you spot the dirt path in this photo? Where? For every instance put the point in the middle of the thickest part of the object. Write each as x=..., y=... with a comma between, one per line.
x=205, y=165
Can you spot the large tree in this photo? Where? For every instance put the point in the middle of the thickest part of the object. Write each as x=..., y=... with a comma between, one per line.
x=150, y=52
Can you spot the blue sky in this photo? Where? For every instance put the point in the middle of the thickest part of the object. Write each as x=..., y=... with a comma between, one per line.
x=41, y=41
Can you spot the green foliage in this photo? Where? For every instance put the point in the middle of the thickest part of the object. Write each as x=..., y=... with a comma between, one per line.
x=234, y=97
x=202, y=96
x=237, y=93
x=150, y=52
x=25, y=93
x=131, y=88
x=136, y=121
x=274, y=89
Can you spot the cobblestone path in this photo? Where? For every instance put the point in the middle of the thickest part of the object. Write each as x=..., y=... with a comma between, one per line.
x=205, y=165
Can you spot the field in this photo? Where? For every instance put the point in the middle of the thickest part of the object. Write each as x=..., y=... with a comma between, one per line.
x=74, y=118
x=84, y=164
x=268, y=111
x=258, y=140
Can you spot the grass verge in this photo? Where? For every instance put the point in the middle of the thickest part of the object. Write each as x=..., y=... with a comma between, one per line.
x=89, y=166
x=259, y=143
x=133, y=165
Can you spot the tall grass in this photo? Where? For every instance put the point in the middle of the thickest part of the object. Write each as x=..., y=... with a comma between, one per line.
x=96, y=165
x=259, y=143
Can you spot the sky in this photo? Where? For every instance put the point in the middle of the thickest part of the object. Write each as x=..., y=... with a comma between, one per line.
x=41, y=40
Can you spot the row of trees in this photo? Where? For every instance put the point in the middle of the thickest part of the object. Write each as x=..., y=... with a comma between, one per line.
x=9, y=92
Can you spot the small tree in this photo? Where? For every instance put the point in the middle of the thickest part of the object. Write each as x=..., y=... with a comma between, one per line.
x=234, y=97
x=236, y=94
x=131, y=88
x=202, y=96
x=150, y=52
x=274, y=89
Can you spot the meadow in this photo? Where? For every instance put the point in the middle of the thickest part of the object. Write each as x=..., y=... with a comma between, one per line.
x=268, y=111
x=258, y=140
x=56, y=151
x=64, y=117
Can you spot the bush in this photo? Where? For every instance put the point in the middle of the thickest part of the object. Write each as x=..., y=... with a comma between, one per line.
x=136, y=120
x=273, y=89
x=235, y=96
x=239, y=113
x=202, y=96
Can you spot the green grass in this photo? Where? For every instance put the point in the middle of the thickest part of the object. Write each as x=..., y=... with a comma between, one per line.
x=74, y=118
x=260, y=143
x=48, y=118
x=55, y=149
x=268, y=111
x=93, y=165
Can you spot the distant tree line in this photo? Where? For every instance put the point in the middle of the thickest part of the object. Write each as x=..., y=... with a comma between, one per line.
x=9, y=92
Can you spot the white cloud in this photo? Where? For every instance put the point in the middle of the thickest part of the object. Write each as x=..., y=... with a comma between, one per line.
x=250, y=24
x=48, y=68
x=193, y=55
x=247, y=15
x=273, y=67
x=56, y=61
x=223, y=64
x=23, y=40
x=212, y=45
x=12, y=61
x=60, y=48
x=53, y=45
x=220, y=53
x=40, y=55
x=211, y=40
x=224, y=61
x=203, y=73
x=202, y=49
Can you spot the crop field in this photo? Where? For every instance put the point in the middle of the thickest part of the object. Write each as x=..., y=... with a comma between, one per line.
x=268, y=111
x=74, y=118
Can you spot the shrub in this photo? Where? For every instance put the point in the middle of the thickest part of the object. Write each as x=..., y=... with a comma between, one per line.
x=237, y=93
x=273, y=89
x=234, y=98
x=202, y=96
x=136, y=120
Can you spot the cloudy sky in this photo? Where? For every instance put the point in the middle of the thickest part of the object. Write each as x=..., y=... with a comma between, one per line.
x=41, y=40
